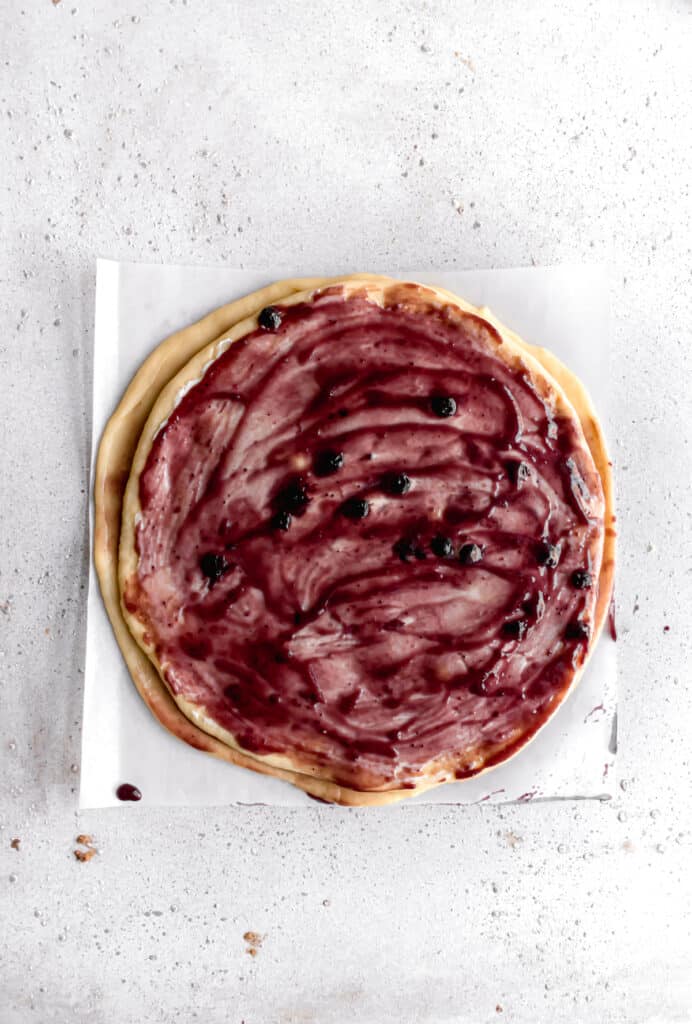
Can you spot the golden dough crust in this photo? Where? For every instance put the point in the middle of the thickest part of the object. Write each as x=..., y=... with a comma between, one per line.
x=124, y=447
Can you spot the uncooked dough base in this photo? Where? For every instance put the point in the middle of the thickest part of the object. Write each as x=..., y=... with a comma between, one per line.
x=115, y=458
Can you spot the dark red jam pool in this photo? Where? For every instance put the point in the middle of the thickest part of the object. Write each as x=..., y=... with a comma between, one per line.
x=126, y=791
x=369, y=541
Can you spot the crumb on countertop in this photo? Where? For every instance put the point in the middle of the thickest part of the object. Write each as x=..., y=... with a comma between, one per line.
x=87, y=841
x=254, y=941
x=83, y=855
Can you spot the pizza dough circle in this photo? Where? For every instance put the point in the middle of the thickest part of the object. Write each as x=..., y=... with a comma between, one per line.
x=122, y=453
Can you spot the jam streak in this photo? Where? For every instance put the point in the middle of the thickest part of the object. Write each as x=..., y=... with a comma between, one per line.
x=291, y=559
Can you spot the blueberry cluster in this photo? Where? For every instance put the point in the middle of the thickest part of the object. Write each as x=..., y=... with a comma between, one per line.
x=293, y=499
x=441, y=547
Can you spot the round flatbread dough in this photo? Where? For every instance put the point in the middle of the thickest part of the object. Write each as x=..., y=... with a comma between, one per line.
x=351, y=653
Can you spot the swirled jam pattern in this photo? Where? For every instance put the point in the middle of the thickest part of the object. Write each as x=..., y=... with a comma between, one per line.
x=368, y=540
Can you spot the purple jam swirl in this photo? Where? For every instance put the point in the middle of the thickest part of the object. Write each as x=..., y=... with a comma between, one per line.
x=349, y=634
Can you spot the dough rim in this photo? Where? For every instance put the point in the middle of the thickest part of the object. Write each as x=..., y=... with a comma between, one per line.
x=138, y=418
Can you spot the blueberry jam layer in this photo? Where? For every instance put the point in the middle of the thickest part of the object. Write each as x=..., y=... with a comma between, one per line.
x=368, y=540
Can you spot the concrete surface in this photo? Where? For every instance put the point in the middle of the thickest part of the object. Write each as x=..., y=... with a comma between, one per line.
x=361, y=135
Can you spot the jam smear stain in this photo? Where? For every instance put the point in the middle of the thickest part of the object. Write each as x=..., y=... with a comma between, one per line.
x=489, y=796
x=389, y=527
x=594, y=711
x=612, y=629
x=197, y=649
x=126, y=791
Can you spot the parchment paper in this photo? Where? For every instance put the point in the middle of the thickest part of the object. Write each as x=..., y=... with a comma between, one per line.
x=564, y=309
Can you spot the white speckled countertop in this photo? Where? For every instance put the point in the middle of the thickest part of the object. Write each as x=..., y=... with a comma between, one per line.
x=328, y=138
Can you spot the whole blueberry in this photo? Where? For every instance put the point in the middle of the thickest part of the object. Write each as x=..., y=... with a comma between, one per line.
x=443, y=406
x=396, y=483
x=576, y=630
x=404, y=548
x=581, y=579
x=441, y=546
x=213, y=566
x=355, y=508
x=293, y=497
x=281, y=521
x=328, y=462
x=517, y=471
x=547, y=555
x=469, y=554
x=269, y=318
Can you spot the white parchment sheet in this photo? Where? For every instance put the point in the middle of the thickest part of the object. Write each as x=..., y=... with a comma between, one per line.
x=564, y=309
